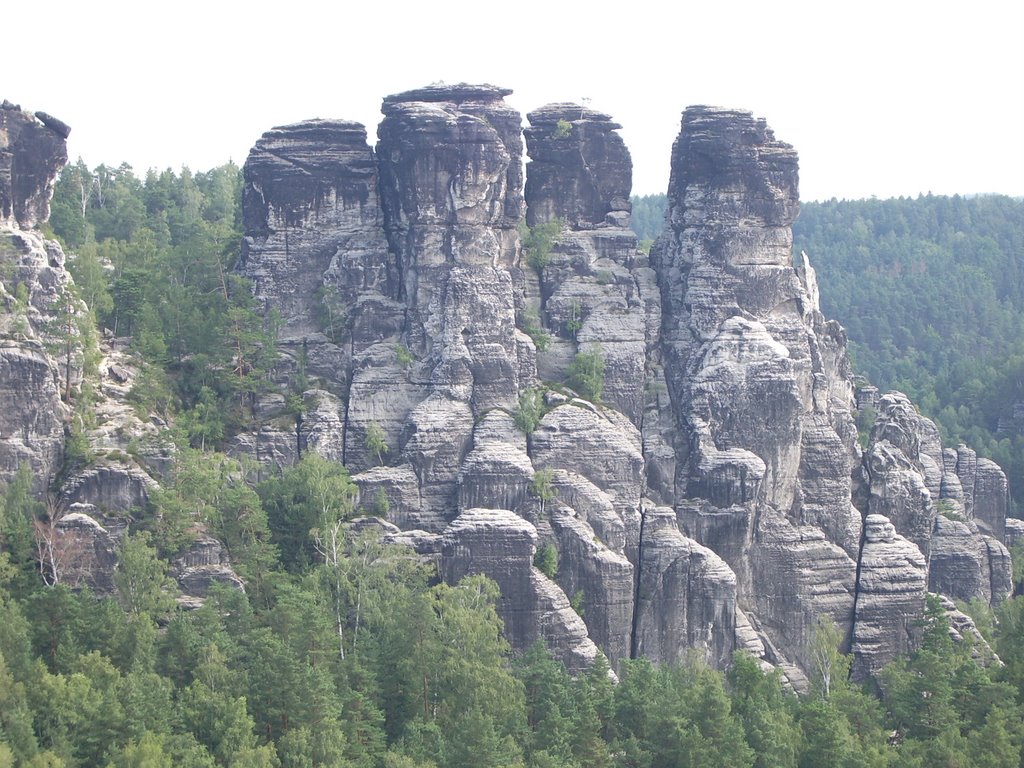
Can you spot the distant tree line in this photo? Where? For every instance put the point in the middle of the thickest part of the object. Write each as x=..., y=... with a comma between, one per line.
x=931, y=292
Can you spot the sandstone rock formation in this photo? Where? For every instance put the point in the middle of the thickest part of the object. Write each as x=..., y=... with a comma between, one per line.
x=715, y=497
x=34, y=289
x=32, y=151
x=679, y=427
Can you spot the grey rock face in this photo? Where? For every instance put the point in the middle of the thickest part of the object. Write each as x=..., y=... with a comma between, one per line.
x=686, y=596
x=765, y=446
x=596, y=293
x=500, y=544
x=716, y=497
x=312, y=223
x=204, y=564
x=890, y=597
x=32, y=421
x=600, y=578
x=111, y=488
x=32, y=152
x=87, y=552
x=579, y=170
x=33, y=288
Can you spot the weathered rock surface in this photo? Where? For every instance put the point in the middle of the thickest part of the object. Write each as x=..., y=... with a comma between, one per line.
x=596, y=291
x=686, y=598
x=501, y=545
x=204, y=564
x=716, y=496
x=579, y=170
x=32, y=152
x=890, y=597
x=34, y=291
x=85, y=553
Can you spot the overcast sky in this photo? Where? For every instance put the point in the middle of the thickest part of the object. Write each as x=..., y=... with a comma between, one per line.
x=883, y=98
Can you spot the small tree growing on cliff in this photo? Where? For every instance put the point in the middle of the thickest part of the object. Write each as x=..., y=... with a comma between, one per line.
x=538, y=242
x=829, y=664
x=530, y=410
x=376, y=441
x=541, y=486
x=586, y=374
x=546, y=559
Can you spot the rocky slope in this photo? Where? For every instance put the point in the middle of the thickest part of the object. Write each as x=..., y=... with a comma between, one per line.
x=45, y=355
x=715, y=496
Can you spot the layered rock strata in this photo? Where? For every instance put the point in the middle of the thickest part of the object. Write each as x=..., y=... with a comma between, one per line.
x=711, y=493
x=430, y=359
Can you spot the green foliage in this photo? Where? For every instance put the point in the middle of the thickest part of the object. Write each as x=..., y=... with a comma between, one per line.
x=940, y=697
x=576, y=601
x=948, y=510
x=403, y=356
x=530, y=411
x=381, y=503
x=1017, y=555
x=533, y=328
x=563, y=129
x=829, y=665
x=542, y=485
x=586, y=374
x=376, y=441
x=648, y=216
x=312, y=495
x=354, y=654
x=865, y=422
x=538, y=241
x=331, y=313
x=143, y=587
x=574, y=323
x=152, y=258
x=19, y=510
x=546, y=559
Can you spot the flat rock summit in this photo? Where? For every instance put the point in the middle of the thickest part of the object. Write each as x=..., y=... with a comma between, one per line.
x=678, y=425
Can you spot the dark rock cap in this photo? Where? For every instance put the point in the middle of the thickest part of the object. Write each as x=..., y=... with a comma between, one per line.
x=580, y=170
x=566, y=110
x=455, y=93
x=296, y=167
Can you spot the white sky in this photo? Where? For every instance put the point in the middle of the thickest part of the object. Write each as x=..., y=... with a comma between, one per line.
x=879, y=97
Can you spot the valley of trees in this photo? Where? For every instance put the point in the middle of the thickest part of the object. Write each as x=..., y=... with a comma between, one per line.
x=343, y=651
x=931, y=293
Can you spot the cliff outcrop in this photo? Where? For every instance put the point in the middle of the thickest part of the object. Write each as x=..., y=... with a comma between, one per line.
x=677, y=427
x=701, y=481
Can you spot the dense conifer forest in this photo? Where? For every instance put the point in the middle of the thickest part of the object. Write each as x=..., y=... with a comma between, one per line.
x=345, y=652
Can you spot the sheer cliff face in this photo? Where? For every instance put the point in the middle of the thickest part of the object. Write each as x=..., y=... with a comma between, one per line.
x=33, y=288
x=765, y=443
x=716, y=497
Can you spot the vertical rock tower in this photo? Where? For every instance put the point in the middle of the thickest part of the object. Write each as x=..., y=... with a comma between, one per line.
x=706, y=489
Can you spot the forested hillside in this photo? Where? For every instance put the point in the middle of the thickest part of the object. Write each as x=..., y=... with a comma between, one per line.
x=931, y=293
x=152, y=258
